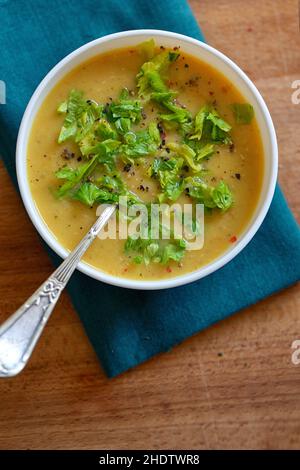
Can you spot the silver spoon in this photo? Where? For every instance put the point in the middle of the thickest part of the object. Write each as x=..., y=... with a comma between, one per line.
x=21, y=331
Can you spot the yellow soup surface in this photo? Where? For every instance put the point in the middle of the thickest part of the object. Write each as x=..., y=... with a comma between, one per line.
x=101, y=78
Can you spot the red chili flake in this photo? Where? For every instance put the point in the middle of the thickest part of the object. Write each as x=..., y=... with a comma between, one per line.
x=233, y=239
x=168, y=269
x=125, y=270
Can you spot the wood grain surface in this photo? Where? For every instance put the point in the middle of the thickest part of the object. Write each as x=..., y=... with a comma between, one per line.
x=232, y=386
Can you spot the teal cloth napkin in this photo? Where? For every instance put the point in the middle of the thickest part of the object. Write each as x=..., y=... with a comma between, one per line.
x=127, y=327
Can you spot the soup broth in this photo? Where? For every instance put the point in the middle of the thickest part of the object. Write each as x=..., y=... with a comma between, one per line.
x=239, y=164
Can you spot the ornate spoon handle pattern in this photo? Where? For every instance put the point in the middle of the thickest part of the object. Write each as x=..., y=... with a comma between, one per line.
x=20, y=332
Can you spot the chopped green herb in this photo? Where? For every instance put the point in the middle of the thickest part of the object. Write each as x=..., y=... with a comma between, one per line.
x=168, y=174
x=156, y=251
x=189, y=155
x=80, y=116
x=219, y=196
x=74, y=176
x=140, y=144
x=199, y=123
x=222, y=196
x=243, y=112
x=126, y=108
x=150, y=77
x=209, y=126
x=89, y=193
x=147, y=48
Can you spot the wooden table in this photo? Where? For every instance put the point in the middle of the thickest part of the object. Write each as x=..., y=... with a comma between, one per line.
x=232, y=386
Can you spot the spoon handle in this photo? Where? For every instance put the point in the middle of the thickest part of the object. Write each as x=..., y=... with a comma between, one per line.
x=21, y=331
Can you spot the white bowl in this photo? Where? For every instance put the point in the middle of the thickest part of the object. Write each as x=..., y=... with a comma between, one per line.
x=205, y=53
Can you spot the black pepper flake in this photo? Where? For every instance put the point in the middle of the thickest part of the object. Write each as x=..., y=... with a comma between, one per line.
x=141, y=187
x=161, y=130
x=79, y=159
x=186, y=66
x=127, y=167
x=160, y=127
x=185, y=168
x=192, y=81
x=231, y=147
x=238, y=176
x=168, y=150
x=67, y=155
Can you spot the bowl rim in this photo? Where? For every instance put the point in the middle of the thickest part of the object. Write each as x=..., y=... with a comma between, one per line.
x=49, y=237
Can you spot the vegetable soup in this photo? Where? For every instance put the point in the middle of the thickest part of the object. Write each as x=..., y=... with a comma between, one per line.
x=154, y=125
